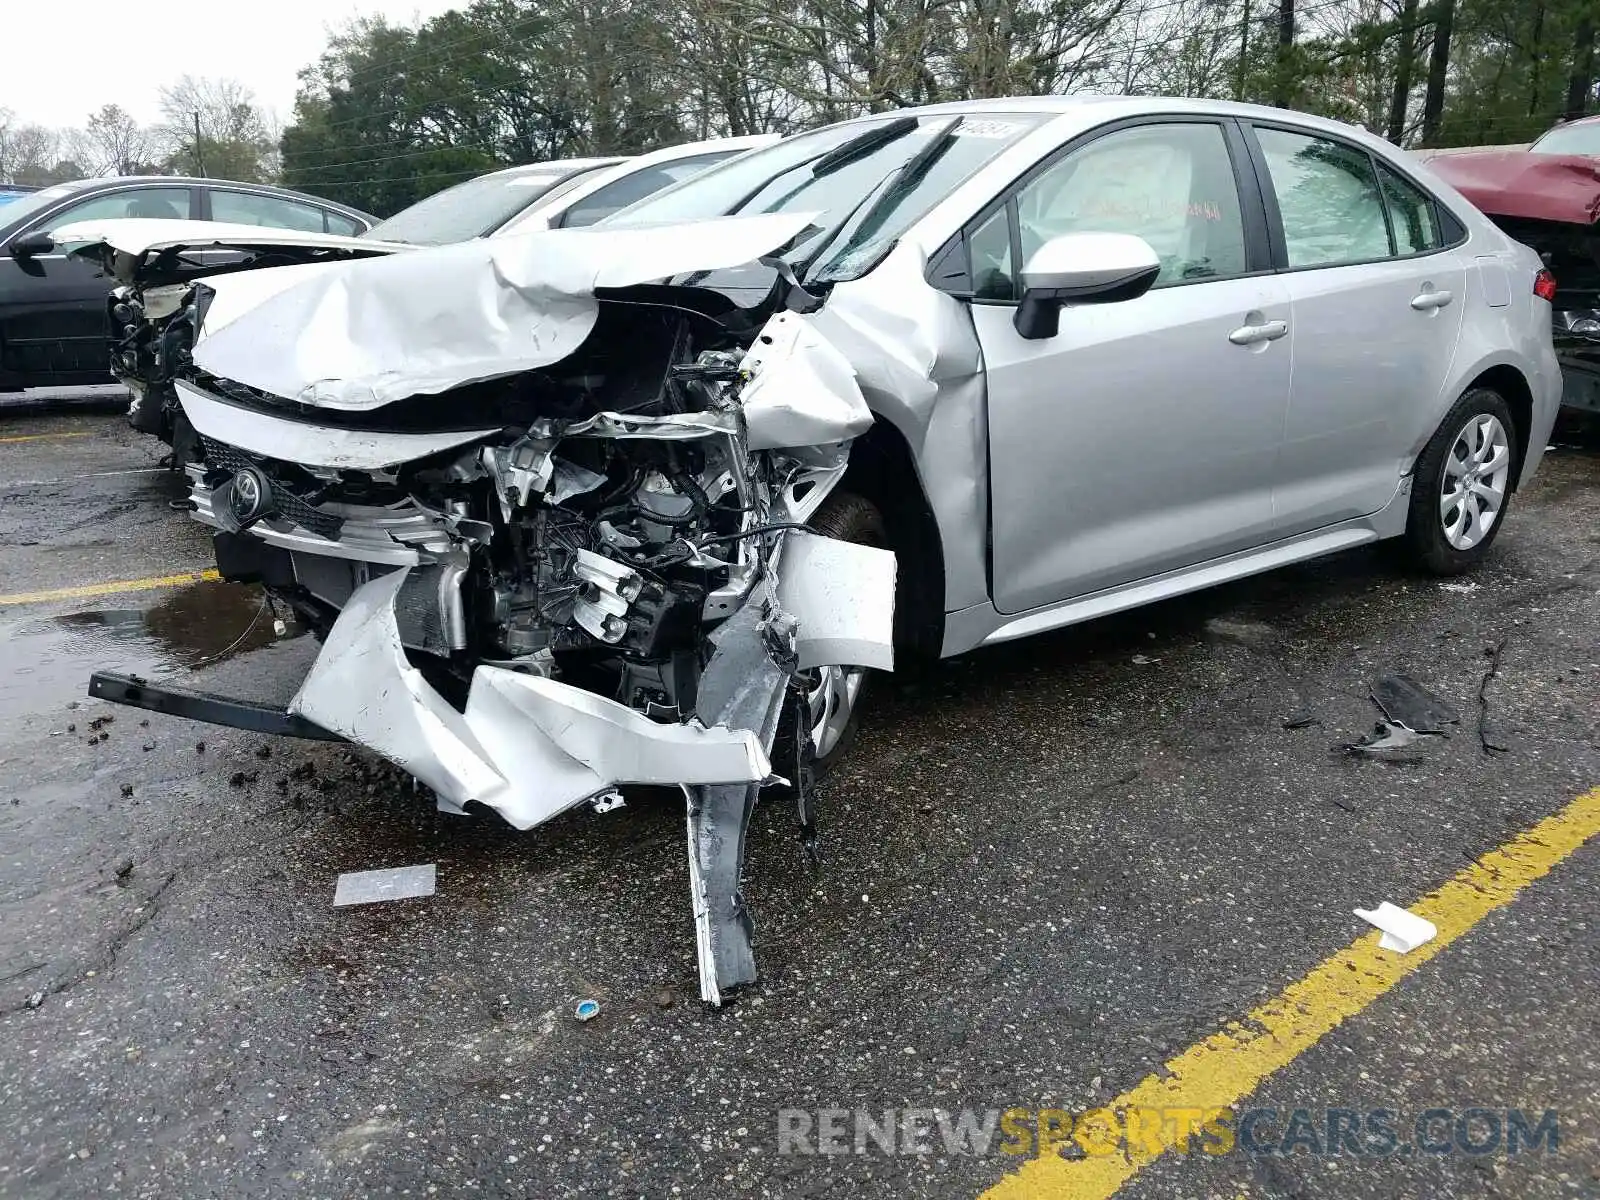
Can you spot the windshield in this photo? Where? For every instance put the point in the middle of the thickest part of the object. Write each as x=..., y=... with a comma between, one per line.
x=471, y=209
x=866, y=192
x=1577, y=138
x=23, y=207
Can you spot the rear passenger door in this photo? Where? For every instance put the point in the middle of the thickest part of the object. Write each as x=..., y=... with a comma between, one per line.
x=257, y=208
x=1376, y=298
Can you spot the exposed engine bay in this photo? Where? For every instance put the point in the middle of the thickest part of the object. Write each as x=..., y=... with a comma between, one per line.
x=549, y=519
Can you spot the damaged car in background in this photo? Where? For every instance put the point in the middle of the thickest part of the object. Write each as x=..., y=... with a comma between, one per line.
x=1547, y=196
x=647, y=503
x=153, y=262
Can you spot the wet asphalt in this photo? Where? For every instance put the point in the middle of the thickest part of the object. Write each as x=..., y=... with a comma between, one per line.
x=1047, y=868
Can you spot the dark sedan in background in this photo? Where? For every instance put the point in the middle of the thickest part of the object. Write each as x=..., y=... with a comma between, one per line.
x=52, y=308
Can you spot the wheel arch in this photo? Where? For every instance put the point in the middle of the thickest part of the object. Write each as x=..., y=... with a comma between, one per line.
x=883, y=470
x=1512, y=385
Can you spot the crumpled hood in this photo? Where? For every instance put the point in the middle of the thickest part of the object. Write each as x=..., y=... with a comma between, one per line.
x=127, y=247
x=358, y=335
x=1539, y=187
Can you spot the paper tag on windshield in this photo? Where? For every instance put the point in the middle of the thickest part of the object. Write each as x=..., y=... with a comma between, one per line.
x=999, y=130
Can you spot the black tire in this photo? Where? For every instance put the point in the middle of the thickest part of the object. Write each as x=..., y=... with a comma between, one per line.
x=850, y=518
x=1425, y=542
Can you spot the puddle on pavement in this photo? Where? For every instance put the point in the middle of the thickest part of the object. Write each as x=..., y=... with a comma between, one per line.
x=46, y=661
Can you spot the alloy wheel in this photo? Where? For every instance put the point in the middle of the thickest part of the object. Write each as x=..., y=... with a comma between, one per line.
x=830, y=700
x=1477, y=471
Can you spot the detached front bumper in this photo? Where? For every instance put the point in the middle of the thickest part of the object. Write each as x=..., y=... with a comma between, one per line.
x=527, y=746
x=532, y=747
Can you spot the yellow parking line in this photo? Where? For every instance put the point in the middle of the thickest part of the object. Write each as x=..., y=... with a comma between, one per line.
x=43, y=437
x=1230, y=1064
x=109, y=589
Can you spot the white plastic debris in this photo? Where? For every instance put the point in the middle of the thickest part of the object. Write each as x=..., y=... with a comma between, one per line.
x=394, y=883
x=1385, y=735
x=1403, y=930
x=1465, y=589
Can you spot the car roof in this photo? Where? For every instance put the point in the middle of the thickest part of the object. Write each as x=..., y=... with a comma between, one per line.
x=1110, y=107
x=108, y=182
x=569, y=165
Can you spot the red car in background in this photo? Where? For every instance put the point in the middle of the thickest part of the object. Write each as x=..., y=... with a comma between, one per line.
x=1547, y=196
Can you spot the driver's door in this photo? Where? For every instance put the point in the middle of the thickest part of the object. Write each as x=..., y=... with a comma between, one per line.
x=1142, y=437
x=53, y=323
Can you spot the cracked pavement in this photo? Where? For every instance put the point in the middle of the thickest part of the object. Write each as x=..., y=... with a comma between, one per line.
x=1047, y=867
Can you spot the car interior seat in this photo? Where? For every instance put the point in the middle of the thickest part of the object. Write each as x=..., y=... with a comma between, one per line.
x=157, y=207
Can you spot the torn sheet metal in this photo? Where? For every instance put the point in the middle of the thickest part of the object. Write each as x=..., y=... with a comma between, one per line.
x=393, y=883
x=919, y=365
x=842, y=596
x=742, y=688
x=128, y=246
x=362, y=687
x=142, y=235
x=363, y=334
x=1406, y=702
x=802, y=392
x=526, y=746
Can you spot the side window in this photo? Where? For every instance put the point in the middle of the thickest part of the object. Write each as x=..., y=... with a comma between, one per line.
x=1328, y=198
x=989, y=258
x=633, y=187
x=1172, y=185
x=246, y=208
x=341, y=224
x=170, y=203
x=1412, y=216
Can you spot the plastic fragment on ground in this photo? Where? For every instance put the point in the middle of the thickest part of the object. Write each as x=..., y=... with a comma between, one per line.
x=1385, y=735
x=393, y=883
x=1403, y=930
x=1406, y=702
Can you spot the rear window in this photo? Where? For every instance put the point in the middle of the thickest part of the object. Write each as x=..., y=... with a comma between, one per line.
x=469, y=210
x=1577, y=138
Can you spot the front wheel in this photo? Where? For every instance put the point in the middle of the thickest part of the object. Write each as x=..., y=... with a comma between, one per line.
x=833, y=695
x=1461, y=487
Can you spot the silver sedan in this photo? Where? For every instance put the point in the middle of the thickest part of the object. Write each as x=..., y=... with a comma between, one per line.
x=1124, y=348
x=643, y=503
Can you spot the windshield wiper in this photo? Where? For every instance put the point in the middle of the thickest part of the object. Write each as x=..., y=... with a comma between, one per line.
x=842, y=155
x=863, y=144
x=894, y=185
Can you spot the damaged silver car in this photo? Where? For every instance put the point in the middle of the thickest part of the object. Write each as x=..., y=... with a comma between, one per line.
x=646, y=503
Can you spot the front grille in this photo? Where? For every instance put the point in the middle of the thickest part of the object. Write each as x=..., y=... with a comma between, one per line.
x=224, y=457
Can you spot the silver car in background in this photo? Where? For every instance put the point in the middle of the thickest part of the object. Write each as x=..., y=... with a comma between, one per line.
x=643, y=503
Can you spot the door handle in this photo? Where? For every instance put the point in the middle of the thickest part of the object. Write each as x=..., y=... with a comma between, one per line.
x=1428, y=301
x=1250, y=335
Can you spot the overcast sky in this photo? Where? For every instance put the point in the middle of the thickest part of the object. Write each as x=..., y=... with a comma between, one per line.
x=115, y=52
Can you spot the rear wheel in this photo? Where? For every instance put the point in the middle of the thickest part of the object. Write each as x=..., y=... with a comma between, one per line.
x=1462, y=484
x=832, y=695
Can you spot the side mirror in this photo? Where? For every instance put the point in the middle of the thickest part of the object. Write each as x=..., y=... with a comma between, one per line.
x=1082, y=268
x=29, y=245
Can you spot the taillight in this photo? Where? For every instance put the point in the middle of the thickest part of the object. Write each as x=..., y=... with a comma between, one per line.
x=1544, y=285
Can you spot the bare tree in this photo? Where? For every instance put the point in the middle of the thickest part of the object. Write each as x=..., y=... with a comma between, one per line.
x=215, y=127
x=113, y=143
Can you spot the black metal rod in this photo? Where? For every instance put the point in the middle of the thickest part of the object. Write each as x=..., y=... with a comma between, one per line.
x=197, y=706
